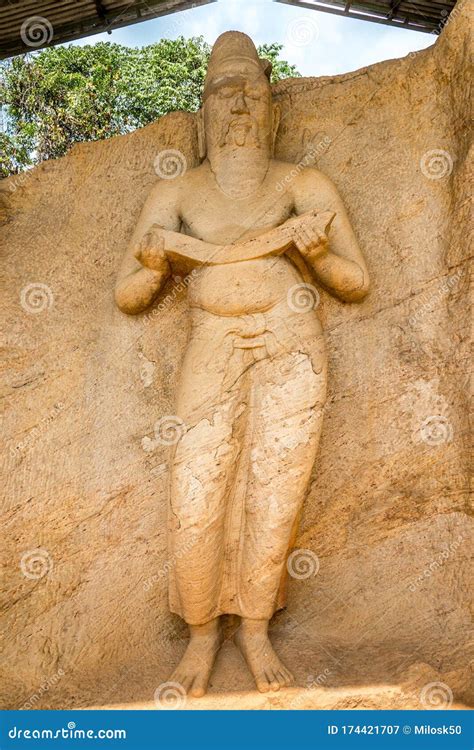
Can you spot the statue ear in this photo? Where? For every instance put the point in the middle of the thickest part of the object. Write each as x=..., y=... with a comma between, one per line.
x=201, y=134
x=276, y=114
x=266, y=67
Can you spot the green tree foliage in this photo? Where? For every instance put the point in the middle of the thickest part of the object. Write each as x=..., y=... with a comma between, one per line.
x=64, y=95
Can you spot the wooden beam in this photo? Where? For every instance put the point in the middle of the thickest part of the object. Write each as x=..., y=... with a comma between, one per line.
x=79, y=18
x=101, y=12
x=415, y=19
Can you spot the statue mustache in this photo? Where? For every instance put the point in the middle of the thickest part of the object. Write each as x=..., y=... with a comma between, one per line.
x=242, y=121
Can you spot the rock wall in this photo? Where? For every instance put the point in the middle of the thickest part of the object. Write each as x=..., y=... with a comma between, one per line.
x=84, y=593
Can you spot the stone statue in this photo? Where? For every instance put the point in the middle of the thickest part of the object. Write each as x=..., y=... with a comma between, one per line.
x=253, y=381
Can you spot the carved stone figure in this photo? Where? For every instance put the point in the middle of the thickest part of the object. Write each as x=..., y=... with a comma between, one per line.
x=258, y=234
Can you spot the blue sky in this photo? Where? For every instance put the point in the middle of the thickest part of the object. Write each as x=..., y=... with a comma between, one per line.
x=317, y=43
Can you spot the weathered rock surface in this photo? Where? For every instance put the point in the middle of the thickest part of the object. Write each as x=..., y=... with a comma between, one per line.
x=85, y=616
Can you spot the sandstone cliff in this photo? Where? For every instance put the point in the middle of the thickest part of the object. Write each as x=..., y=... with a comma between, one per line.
x=84, y=593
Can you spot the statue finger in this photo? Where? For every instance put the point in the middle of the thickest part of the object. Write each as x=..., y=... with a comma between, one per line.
x=308, y=237
x=319, y=238
x=299, y=239
x=315, y=228
x=147, y=240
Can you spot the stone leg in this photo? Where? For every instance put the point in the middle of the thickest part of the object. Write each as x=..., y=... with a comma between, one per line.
x=287, y=405
x=287, y=402
x=202, y=478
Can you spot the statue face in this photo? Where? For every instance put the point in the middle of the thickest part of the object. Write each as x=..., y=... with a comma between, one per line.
x=238, y=110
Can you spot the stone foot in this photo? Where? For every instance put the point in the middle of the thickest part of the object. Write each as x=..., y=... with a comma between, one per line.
x=268, y=671
x=194, y=669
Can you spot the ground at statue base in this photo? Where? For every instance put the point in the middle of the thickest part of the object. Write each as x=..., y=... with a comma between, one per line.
x=297, y=699
x=418, y=687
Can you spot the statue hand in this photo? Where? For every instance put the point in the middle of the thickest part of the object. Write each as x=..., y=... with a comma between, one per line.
x=150, y=252
x=310, y=240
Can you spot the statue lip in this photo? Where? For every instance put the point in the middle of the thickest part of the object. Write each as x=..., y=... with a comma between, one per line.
x=275, y=242
x=240, y=127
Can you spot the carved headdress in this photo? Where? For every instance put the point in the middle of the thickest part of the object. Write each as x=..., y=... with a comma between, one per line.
x=231, y=47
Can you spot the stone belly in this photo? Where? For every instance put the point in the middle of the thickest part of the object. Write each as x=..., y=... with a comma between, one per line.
x=243, y=288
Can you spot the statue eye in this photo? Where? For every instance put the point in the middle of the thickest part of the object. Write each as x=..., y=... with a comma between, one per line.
x=227, y=91
x=253, y=94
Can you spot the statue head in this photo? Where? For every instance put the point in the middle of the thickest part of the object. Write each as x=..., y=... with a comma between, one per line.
x=237, y=115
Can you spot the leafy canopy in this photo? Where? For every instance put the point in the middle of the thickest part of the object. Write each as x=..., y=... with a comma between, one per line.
x=64, y=95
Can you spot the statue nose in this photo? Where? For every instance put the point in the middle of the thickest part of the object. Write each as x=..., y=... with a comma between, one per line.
x=239, y=106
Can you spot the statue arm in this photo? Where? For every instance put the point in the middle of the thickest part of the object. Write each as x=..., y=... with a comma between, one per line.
x=144, y=268
x=337, y=262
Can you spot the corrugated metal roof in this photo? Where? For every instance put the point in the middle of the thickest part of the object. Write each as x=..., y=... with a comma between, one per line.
x=28, y=25
x=418, y=15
